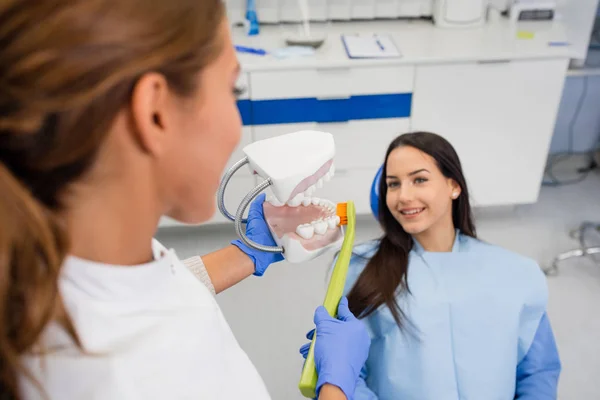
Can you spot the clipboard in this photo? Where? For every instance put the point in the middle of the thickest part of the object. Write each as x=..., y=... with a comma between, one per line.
x=370, y=46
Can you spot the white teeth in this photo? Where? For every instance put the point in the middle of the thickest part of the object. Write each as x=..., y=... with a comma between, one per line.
x=331, y=222
x=310, y=191
x=320, y=227
x=328, y=205
x=411, y=212
x=332, y=169
x=327, y=176
x=320, y=183
x=305, y=231
x=337, y=220
x=315, y=201
x=306, y=201
x=296, y=201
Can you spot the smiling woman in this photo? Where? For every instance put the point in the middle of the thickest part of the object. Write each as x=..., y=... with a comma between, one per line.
x=420, y=190
x=426, y=196
x=450, y=316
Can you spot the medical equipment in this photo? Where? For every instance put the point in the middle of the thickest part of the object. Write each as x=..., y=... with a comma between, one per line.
x=293, y=167
x=335, y=290
x=305, y=38
x=532, y=11
x=459, y=13
x=251, y=50
x=251, y=23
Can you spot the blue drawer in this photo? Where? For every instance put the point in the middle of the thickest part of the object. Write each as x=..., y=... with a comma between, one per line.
x=284, y=111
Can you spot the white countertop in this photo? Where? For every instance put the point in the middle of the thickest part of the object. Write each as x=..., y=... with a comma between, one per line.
x=419, y=41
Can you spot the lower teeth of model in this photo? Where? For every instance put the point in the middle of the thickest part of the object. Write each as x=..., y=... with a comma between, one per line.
x=318, y=227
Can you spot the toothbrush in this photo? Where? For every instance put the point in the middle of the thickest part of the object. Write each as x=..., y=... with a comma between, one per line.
x=347, y=214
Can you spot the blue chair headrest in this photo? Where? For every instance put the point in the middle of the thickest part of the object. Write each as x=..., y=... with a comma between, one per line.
x=375, y=193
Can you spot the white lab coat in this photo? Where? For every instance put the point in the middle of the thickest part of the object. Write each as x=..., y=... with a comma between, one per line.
x=152, y=331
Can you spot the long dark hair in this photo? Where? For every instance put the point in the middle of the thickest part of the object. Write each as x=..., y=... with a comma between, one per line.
x=386, y=271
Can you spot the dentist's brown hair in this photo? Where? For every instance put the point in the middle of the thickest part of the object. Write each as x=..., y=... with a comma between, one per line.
x=67, y=67
x=385, y=275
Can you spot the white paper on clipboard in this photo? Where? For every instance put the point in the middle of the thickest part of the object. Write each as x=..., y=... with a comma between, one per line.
x=370, y=46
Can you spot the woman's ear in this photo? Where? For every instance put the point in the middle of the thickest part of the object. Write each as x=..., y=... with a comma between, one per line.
x=149, y=112
x=455, y=189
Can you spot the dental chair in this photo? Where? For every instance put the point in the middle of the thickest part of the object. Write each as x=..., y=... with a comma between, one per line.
x=583, y=250
x=374, y=201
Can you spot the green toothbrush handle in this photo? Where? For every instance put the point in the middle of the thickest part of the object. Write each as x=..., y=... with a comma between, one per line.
x=335, y=290
x=308, y=379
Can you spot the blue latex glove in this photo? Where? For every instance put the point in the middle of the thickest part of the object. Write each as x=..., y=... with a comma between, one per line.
x=341, y=348
x=258, y=231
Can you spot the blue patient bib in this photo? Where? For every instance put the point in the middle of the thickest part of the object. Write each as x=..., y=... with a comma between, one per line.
x=472, y=316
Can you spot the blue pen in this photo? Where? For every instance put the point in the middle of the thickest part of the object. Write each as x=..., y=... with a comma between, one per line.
x=251, y=50
x=379, y=44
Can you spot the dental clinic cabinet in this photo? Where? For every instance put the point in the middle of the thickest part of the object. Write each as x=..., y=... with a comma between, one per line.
x=494, y=101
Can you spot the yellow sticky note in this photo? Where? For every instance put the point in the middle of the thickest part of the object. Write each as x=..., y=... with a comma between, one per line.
x=525, y=35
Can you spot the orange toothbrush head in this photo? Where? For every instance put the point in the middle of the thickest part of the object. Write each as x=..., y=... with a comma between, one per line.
x=342, y=212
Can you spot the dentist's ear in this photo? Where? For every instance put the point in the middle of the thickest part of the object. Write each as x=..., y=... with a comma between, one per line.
x=150, y=112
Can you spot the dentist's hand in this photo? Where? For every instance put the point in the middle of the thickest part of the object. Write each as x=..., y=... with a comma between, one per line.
x=258, y=231
x=341, y=348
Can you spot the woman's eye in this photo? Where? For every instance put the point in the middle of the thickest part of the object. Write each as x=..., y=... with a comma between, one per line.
x=420, y=180
x=392, y=184
x=238, y=91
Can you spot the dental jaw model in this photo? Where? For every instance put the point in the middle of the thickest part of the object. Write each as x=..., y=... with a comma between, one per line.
x=294, y=167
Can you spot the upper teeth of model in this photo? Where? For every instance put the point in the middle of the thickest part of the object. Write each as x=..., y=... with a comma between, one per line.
x=299, y=198
x=304, y=201
x=305, y=197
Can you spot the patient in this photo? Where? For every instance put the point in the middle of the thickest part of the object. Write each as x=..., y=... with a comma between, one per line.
x=450, y=316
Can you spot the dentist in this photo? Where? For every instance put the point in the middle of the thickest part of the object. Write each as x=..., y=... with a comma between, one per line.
x=113, y=114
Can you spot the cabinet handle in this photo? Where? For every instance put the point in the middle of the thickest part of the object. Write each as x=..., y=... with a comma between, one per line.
x=484, y=62
x=336, y=70
x=334, y=97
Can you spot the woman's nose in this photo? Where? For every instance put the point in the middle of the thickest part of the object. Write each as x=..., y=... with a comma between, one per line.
x=405, y=193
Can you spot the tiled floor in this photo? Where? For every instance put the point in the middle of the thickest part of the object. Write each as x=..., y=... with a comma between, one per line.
x=269, y=315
